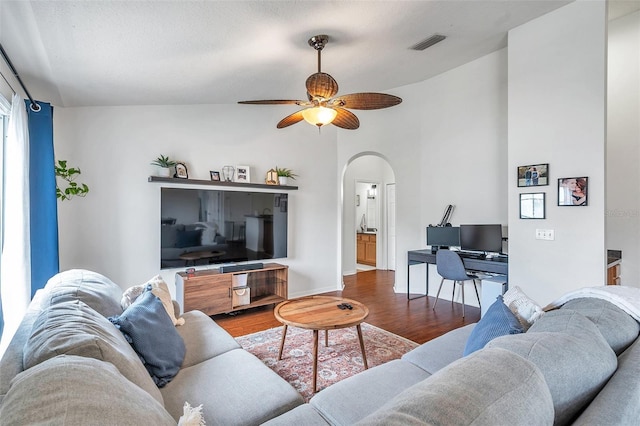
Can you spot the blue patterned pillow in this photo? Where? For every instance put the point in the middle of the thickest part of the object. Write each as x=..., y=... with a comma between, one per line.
x=497, y=321
x=148, y=328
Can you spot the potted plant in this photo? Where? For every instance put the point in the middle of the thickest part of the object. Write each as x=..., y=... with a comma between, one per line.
x=163, y=164
x=284, y=175
x=69, y=175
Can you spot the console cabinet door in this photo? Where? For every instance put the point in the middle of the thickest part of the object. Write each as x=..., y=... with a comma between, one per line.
x=209, y=294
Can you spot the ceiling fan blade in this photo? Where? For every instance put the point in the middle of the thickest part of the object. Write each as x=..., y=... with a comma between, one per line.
x=366, y=101
x=274, y=102
x=346, y=119
x=321, y=85
x=290, y=119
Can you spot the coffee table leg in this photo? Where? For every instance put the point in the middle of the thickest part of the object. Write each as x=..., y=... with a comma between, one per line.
x=284, y=334
x=326, y=338
x=364, y=355
x=315, y=359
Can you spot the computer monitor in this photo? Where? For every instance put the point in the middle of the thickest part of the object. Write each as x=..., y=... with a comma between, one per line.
x=486, y=238
x=443, y=236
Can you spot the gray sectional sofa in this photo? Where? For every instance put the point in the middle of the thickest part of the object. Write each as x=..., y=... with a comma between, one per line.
x=579, y=364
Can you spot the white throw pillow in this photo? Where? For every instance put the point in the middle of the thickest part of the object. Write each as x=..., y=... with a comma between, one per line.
x=526, y=310
x=158, y=288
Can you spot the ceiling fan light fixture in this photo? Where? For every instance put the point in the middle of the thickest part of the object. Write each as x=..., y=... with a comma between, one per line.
x=319, y=116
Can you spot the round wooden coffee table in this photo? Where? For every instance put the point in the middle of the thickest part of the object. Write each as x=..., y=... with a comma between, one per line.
x=321, y=313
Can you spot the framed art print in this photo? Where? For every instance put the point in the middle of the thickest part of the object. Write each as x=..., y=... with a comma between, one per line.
x=181, y=171
x=243, y=174
x=532, y=206
x=215, y=176
x=533, y=175
x=573, y=191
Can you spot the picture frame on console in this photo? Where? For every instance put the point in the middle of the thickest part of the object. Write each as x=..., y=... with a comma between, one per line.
x=533, y=175
x=215, y=176
x=243, y=174
x=573, y=191
x=181, y=171
x=532, y=205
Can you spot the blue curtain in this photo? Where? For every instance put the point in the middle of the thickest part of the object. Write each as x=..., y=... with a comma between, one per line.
x=42, y=192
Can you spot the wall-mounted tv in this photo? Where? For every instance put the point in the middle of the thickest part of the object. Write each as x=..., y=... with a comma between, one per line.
x=209, y=226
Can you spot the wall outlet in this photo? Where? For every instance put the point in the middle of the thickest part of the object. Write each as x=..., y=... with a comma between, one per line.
x=545, y=234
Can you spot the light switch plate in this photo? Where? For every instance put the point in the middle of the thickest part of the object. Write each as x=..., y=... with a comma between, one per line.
x=545, y=234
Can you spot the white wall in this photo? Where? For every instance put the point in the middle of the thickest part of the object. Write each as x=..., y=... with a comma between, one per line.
x=623, y=144
x=557, y=99
x=115, y=229
x=446, y=144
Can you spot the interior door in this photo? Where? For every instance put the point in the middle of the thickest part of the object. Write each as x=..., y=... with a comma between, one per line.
x=391, y=226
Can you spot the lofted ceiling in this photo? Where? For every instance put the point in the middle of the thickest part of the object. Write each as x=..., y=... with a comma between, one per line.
x=103, y=52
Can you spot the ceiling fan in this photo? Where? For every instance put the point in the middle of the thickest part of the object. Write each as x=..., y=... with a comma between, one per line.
x=322, y=105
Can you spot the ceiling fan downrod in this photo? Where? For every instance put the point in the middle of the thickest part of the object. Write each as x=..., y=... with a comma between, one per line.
x=318, y=42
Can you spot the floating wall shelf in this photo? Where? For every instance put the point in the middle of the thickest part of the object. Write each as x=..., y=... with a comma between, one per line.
x=221, y=183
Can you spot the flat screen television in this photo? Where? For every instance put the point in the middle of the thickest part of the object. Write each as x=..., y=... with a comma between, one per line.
x=443, y=236
x=209, y=226
x=485, y=238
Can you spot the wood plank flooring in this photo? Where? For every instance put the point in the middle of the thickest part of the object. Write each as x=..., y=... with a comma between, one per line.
x=414, y=319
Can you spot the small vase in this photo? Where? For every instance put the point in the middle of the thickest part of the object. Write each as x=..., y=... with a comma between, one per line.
x=163, y=172
x=283, y=180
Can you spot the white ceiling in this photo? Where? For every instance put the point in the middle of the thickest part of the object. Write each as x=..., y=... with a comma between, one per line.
x=87, y=53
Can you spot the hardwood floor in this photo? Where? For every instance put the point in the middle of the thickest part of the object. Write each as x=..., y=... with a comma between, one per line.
x=414, y=319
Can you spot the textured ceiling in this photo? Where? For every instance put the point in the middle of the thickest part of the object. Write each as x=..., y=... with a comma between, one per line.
x=86, y=53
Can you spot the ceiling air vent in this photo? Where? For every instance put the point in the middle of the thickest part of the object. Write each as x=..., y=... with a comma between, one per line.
x=436, y=38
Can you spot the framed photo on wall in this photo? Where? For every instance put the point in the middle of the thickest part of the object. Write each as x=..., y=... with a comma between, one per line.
x=573, y=191
x=532, y=206
x=243, y=174
x=533, y=175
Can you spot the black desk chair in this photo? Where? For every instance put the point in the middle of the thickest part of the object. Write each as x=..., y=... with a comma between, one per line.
x=450, y=267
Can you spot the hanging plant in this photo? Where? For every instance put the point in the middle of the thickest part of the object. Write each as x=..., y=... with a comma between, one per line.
x=69, y=175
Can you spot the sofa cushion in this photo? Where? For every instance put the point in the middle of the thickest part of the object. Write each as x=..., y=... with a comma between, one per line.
x=73, y=328
x=235, y=388
x=203, y=338
x=160, y=289
x=525, y=309
x=146, y=325
x=303, y=415
x=92, y=288
x=489, y=387
x=353, y=398
x=497, y=321
x=616, y=326
x=72, y=390
x=574, y=358
x=436, y=354
x=619, y=402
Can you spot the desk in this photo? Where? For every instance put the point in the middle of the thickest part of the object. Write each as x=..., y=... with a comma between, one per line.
x=494, y=266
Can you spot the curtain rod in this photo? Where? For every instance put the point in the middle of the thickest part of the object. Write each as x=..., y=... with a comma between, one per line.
x=34, y=106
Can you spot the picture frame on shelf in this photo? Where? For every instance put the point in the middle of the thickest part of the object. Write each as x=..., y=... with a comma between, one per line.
x=533, y=175
x=243, y=174
x=215, y=176
x=532, y=205
x=573, y=191
x=181, y=171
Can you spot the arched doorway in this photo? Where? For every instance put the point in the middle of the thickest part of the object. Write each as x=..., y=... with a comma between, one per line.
x=368, y=210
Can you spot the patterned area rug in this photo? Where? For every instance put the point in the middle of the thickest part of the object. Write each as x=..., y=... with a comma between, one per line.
x=341, y=359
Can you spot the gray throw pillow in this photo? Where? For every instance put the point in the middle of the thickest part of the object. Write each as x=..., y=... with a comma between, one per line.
x=73, y=328
x=92, y=288
x=77, y=391
x=574, y=358
x=617, y=327
x=147, y=326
